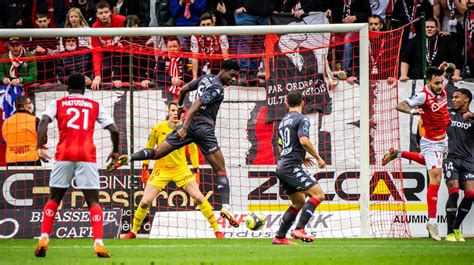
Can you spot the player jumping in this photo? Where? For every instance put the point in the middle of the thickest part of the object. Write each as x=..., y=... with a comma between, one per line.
x=431, y=103
x=199, y=127
x=172, y=167
x=459, y=164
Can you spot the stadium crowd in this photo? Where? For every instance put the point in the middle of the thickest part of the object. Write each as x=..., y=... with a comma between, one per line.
x=447, y=22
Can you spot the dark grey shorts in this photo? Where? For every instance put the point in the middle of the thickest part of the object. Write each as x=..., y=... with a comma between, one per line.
x=202, y=134
x=455, y=168
x=295, y=179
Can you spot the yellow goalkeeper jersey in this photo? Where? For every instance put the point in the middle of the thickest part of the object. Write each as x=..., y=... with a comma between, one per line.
x=174, y=159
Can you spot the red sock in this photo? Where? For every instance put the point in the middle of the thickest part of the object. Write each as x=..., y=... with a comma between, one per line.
x=314, y=201
x=49, y=213
x=97, y=221
x=432, y=200
x=417, y=157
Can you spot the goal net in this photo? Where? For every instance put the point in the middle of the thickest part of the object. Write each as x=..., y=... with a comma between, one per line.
x=353, y=123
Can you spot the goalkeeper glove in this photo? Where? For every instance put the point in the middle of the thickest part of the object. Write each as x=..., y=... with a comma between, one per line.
x=145, y=174
x=196, y=172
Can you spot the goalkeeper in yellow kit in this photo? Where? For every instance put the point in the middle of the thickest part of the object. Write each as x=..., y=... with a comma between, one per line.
x=172, y=167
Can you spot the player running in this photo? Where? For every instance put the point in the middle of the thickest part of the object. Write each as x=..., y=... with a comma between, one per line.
x=459, y=164
x=431, y=103
x=172, y=167
x=199, y=127
x=75, y=157
x=293, y=133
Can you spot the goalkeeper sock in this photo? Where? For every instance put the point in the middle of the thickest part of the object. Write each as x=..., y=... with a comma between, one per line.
x=223, y=186
x=451, y=208
x=49, y=213
x=97, y=221
x=206, y=210
x=307, y=213
x=287, y=221
x=138, y=218
x=432, y=200
x=464, y=208
x=417, y=157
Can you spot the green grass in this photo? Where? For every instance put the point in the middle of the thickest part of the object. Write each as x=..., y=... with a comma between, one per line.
x=243, y=251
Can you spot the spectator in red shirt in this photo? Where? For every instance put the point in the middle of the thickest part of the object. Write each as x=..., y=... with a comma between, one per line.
x=103, y=64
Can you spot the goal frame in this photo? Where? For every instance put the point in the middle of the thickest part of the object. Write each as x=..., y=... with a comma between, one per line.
x=361, y=28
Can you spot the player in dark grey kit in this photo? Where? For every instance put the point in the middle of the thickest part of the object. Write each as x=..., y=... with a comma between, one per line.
x=294, y=142
x=459, y=164
x=199, y=128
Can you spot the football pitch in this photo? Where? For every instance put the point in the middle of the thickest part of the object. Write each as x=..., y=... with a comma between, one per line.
x=242, y=251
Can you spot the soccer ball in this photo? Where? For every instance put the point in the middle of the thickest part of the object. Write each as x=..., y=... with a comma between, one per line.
x=255, y=221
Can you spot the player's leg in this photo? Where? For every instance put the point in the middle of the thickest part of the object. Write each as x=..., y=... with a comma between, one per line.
x=464, y=206
x=434, y=152
x=451, y=207
x=87, y=180
x=217, y=162
x=297, y=201
x=169, y=145
x=316, y=196
x=158, y=180
x=59, y=181
x=451, y=175
x=394, y=153
x=49, y=212
x=205, y=207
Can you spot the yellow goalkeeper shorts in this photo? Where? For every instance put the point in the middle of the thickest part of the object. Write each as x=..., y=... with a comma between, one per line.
x=182, y=176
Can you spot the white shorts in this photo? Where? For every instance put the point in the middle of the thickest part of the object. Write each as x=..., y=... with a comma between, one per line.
x=86, y=175
x=434, y=152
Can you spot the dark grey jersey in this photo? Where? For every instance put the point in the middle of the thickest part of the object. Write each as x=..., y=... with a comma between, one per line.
x=211, y=91
x=293, y=126
x=461, y=138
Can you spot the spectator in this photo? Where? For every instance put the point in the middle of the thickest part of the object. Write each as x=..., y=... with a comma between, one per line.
x=139, y=48
x=469, y=48
x=19, y=71
x=44, y=46
x=19, y=133
x=103, y=62
x=160, y=13
x=451, y=15
x=206, y=47
x=78, y=63
x=248, y=13
x=404, y=12
x=439, y=49
x=87, y=8
x=15, y=14
x=355, y=11
x=187, y=13
x=124, y=7
x=55, y=10
x=223, y=10
x=379, y=8
x=172, y=70
x=75, y=19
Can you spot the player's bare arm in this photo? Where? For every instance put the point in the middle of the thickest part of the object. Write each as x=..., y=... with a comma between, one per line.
x=41, y=134
x=468, y=116
x=114, y=136
x=405, y=108
x=309, y=147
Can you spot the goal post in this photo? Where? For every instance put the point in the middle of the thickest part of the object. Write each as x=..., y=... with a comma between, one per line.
x=362, y=102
